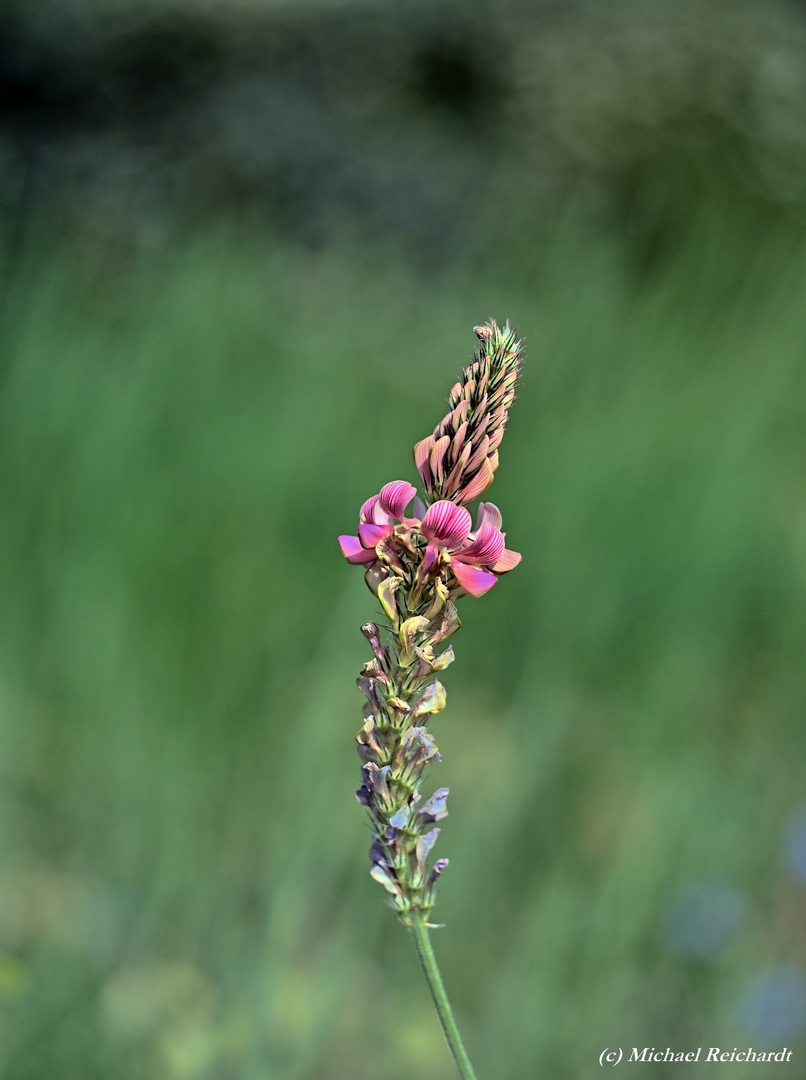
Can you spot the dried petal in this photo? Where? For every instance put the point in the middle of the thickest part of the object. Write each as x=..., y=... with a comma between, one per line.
x=398, y=704
x=410, y=629
x=433, y=663
x=378, y=853
x=433, y=700
x=436, y=870
x=444, y=659
x=387, y=594
x=438, y=603
x=369, y=749
x=376, y=778
x=384, y=875
x=435, y=808
x=417, y=748
x=423, y=847
x=447, y=625
x=372, y=633
x=368, y=689
x=374, y=575
x=400, y=818
x=388, y=552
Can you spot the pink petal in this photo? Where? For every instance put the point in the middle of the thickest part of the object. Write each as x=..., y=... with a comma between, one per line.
x=395, y=497
x=436, y=458
x=370, y=535
x=488, y=512
x=421, y=452
x=354, y=551
x=459, y=414
x=479, y=454
x=480, y=482
x=473, y=581
x=372, y=512
x=459, y=438
x=486, y=549
x=508, y=560
x=430, y=557
x=446, y=523
x=367, y=508
x=455, y=478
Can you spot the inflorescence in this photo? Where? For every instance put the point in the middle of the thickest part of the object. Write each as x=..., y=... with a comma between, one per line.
x=419, y=558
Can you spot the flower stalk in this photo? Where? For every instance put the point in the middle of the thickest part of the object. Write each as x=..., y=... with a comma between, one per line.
x=419, y=558
x=425, y=952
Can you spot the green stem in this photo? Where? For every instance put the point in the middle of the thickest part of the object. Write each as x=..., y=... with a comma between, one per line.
x=422, y=943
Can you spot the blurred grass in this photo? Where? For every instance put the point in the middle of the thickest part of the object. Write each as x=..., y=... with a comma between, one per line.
x=182, y=435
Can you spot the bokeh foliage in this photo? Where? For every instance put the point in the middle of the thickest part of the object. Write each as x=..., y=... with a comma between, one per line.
x=183, y=431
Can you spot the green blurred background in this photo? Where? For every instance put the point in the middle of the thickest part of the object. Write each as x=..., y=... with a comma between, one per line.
x=243, y=247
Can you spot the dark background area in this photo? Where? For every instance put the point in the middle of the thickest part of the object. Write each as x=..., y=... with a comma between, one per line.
x=243, y=247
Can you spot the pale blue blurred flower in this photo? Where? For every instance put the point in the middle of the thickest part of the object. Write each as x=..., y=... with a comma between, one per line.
x=702, y=917
x=775, y=1005
x=795, y=845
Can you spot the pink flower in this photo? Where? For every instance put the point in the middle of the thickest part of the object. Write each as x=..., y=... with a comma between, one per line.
x=377, y=521
x=475, y=557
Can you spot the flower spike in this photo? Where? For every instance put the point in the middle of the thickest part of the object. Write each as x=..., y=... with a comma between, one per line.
x=459, y=459
x=419, y=557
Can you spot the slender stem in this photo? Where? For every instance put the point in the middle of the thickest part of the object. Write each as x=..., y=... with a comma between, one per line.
x=425, y=951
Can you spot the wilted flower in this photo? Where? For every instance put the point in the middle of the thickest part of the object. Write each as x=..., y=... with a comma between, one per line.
x=376, y=521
